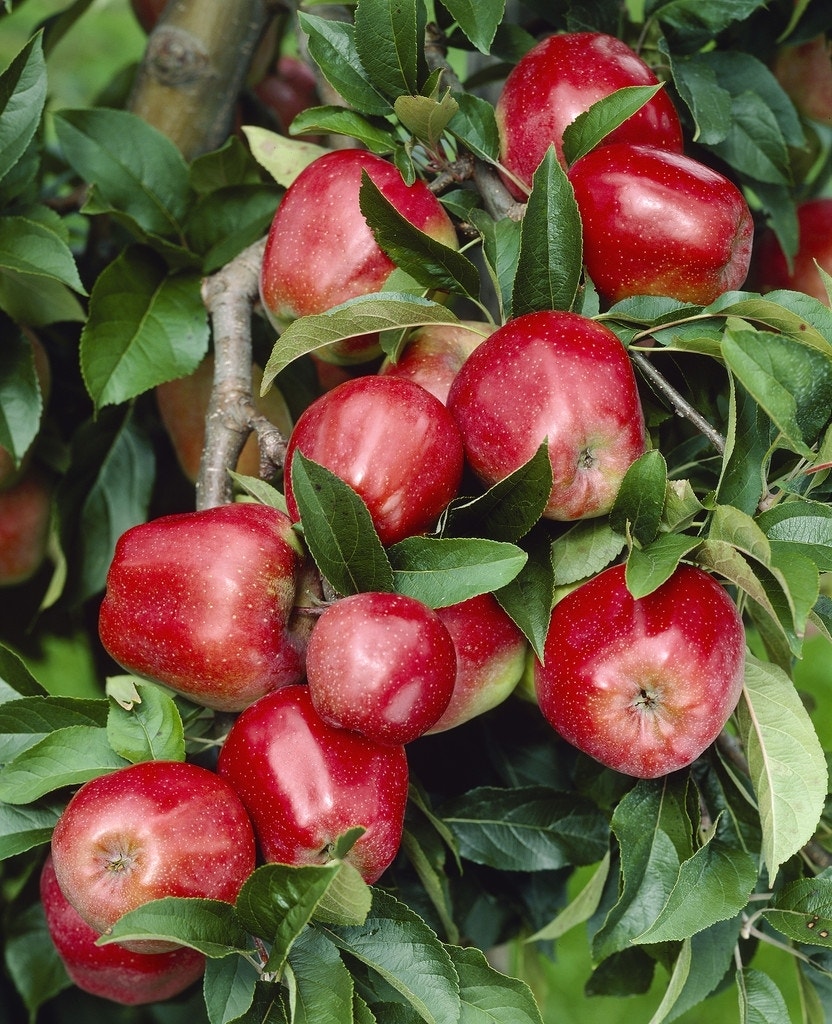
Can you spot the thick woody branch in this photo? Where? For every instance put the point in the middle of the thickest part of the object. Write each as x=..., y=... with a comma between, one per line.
x=229, y=296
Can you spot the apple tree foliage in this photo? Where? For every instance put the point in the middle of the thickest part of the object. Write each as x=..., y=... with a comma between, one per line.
x=106, y=234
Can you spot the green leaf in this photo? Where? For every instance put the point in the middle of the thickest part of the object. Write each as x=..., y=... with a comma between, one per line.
x=647, y=568
x=695, y=20
x=332, y=45
x=530, y=828
x=278, y=901
x=282, y=157
x=792, y=382
x=742, y=482
x=602, y=117
x=321, y=988
x=23, y=87
x=23, y=828
x=37, y=300
x=447, y=570
x=33, y=248
x=389, y=39
x=136, y=170
x=712, y=954
x=487, y=995
x=231, y=164
x=228, y=220
x=339, y=530
x=528, y=599
x=378, y=137
x=549, y=265
x=788, y=766
x=802, y=910
x=145, y=326
x=501, y=251
x=581, y=909
x=146, y=727
x=475, y=125
x=366, y=314
x=32, y=960
x=21, y=402
x=348, y=898
x=228, y=987
x=210, y=926
x=25, y=721
x=641, y=496
x=708, y=101
x=15, y=678
x=800, y=525
x=509, y=509
x=584, y=550
x=761, y=1001
x=755, y=145
x=676, y=983
x=66, y=757
x=426, y=117
x=429, y=262
x=478, y=19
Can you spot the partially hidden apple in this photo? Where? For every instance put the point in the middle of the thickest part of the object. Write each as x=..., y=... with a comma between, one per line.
x=305, y=783
x=392, y=441
x=435, y=353
x=770, y=267
x=149, y=830
x=660, y=223
x=642, y=685
x=560, y=78
x=320, y=250
x=183, y=405
x=491, y=656
x=558, y=377
x=25, y=518
x=204, y=602
x=804, y=70
x=381, y=664
x=287, y=89
x=111, y=971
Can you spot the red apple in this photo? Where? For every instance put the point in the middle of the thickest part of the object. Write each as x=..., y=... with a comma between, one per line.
x=203, y=602
x=434, y=354
x=288, y=89
x=491, y=653
x=642, y=685
x=25, y=517
x=557, y=376
x=112, y=972
x=392, y=441
x=560, y=78
x=805, y=73
x=305, y=783
x=320, y=250
x=770, y=269
x=660, y=223
x=149, y=830
x=381, y=664
x=148, y=12
x=183, y=404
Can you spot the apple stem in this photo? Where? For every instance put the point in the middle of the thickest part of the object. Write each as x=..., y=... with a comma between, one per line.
x=680, y=405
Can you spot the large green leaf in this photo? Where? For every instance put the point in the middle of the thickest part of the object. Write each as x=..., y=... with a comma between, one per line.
x=24, y=827
x=389, y=39
x=27, y=720
x=487, y=995
x=32, y=247
x=641, y=496
x=210, y=926
x=228, y=987
x=802, y=909
x=143, y=723
x=478, y=19
x=21, y=401
x=22, y=98
x=594, y=124
x=146, y=326
x=321, y=988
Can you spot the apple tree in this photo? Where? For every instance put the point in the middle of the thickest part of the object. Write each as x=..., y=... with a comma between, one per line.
x=621, y=482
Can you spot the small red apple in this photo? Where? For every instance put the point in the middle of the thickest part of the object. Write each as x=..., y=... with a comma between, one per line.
x=305, y=783
x=148, y=12
x=392, y=441
x=148, y=830
x=642, y=685
x=183, y=404
x=320, y=250
x=557, y=376
x=560, y=78
x=25, y=517
x=660, y=223
x=434, y=354
x=491, y=654
x=203, y=602
x=111, y=971
x=770, y=269
x=381, y=664
x=288, y=89
x=805, y=73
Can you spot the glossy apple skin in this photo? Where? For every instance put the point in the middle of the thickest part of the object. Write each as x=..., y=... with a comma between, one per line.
x=381, y=664
x=491, y=652
x=25, y=517
x=305, y=783
x=148, y=830
x=560, y=78
x=560, y=376
x=643, y=686
x=660, y=223
x=320, y=250
x=183, y=405
x=805, y=73
x=771, y=271
x=112, y=972
x=393, y=442
x=435, y=353
x=203, y=603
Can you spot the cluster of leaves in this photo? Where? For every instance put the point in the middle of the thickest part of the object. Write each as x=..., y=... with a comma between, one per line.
x=687, y=873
